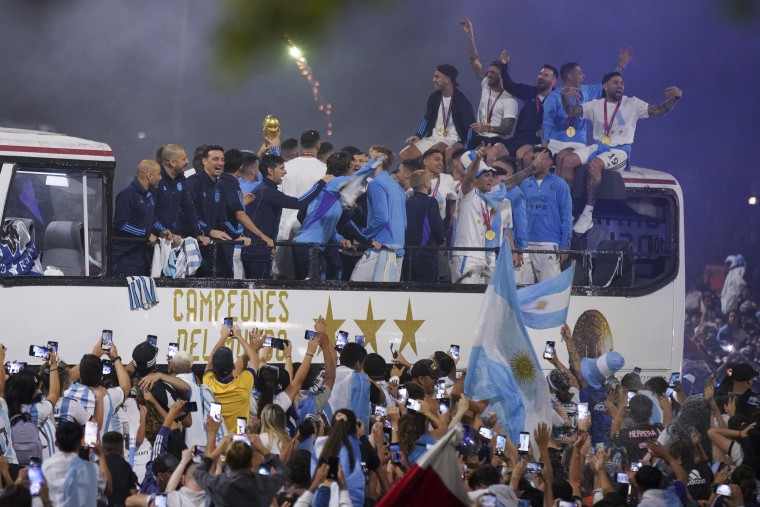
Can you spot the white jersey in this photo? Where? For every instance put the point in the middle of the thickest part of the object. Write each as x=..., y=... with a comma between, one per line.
x=449, y=132
x=471, y=223
x=302, y=174
x=442, y=189
x=504, y=106
x=623, y=125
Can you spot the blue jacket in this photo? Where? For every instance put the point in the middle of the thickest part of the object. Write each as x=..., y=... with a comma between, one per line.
x=461, y=115
x=265, y=211
x=173, y=195
x=232, y=202
x=133, y=218
x=207, y=200
x=386, y=217
x=550, y=210
x=530, y=119
x=424, y=224
x=555, y=120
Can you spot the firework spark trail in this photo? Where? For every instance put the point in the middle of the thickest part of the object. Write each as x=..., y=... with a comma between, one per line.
x=305, y=70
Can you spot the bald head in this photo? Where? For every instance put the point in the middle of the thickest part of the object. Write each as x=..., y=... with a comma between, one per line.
x=174, y=159
x=148, y=174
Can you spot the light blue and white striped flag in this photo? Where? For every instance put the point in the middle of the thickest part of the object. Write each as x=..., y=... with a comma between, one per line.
x=504, y=367
x=544, y=304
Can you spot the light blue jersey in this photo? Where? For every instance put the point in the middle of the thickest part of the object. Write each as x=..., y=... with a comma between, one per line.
x=555, y=122
x=386, y=217
x=550, y=210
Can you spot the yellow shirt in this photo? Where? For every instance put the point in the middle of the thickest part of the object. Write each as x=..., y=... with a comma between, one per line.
x=235, y=395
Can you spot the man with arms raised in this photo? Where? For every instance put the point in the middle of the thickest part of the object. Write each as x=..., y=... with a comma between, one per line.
x=447, y=119
x=614, y=119
x=497, y=111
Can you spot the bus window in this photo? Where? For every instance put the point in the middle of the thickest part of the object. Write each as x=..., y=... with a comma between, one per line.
x=65, y=222
x=633, y=248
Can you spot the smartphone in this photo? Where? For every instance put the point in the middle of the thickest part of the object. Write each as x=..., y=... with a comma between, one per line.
x=310, y=335
x=39, y=351
x=53, y=345
x=395, y=453
x=454, y=351
x=582, y=411
x=35, y=478
x=501, y=445
x=333, y=462
x=444, y=405
x=380, y=411
x=106, y=339
x=107, y=367
x=215, y=411
x=268, y=341
x=341, y=340
x=403, y=395
x=487, y=500
x=549, y=350
x=440, y=389
x=754, y=401
x=524, y=442
x=534, y=467
x=278, y=344
x=669, y=392
x=631, y=394
x=563, y=503
x=413, y=404
x=152, y=339
x=190, y=406
x=14, y=367
x=263, y=470
x=393, y=352
x=637, y=371
x=621, y=478
x=486, y=433
x=635, y=466
x=199, y=450
x=173, y=349
x=242, y=422
x=159, y=500
x=723, y=489
x=90, y=434
x=228, y=322
x=359, y=339
x=674, y=378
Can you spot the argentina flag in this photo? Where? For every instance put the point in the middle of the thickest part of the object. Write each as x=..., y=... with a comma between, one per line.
x=544, y=304
x=503, y=367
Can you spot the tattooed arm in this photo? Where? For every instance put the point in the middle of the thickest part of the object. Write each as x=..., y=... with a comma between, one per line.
x=477, y=67
x=672, y=94
x=572, y=109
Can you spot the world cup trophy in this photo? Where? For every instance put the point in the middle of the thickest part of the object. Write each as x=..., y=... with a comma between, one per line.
x=271, y=127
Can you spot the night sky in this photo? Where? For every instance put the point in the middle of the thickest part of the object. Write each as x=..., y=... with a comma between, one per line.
x=108, y=70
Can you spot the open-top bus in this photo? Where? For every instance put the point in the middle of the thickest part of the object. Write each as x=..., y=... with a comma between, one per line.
x=628, y=292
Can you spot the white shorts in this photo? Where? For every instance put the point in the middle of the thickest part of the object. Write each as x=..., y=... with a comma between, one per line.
x=557, y=146
x=614, y=160
x=378, y=266
x=426, y=143
x=470, y=270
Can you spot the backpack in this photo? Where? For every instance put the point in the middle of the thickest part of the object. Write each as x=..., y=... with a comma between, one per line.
x=25, y=438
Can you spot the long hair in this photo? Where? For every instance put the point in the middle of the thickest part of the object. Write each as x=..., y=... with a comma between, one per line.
x=273, y=425
x=21, y=390
x=695, y=413
x=342, y=427
x=267, y=385
x=410, y=428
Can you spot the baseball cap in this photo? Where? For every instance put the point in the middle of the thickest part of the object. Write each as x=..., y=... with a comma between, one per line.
x=144, y=357
x=165, y=462
x=426, y=368
x=741, y=372
x=222, y=361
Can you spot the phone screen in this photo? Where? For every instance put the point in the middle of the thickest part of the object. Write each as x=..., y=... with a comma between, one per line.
x=674, y=378
x=106, y=339
x=403, y=394
x=215, y=411
x=310, y=335
x=440, y=389
x=395, y=453
x=413, y=404
x=631, y=394
x=549, y=350
x=380, y=411
x=53, y=345
x=444, y=405
x=263, y=470
x=486, y=433
x=454, y=351
x=622, y=478
x=582, y=411
x=524, y=442
x=90, y=434
x=160, y=500
x=228, y=322
x=341, y=340
x=534, y=468
x=242, y=422
x=487, y=500
x=359, y=339
x=38, y=351
x=723, y=489
x=107, y=367
x=173, y=349
x=152, y=339
x=35, y=479
x=501, y=445
x=14, y=367
x=268, y=341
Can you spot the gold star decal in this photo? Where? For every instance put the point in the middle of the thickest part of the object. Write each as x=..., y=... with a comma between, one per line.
x=369, y=327
x=408, y=328
x=333, y=325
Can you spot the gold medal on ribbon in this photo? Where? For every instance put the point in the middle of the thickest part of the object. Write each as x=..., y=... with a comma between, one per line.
x=570, y=131
x=445, y=133
x=490, y=235
x=606, y=140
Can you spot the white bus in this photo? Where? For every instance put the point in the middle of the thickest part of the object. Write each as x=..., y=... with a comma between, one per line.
x=61, y=188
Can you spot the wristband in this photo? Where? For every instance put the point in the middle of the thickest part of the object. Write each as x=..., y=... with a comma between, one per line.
x=310, y=355
x=117, y=358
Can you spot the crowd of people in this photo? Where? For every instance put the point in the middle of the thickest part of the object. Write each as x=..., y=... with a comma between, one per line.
x=243, y=431
x=465, y=180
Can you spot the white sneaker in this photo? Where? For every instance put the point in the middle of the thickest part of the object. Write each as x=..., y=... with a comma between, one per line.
x=584, y=223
